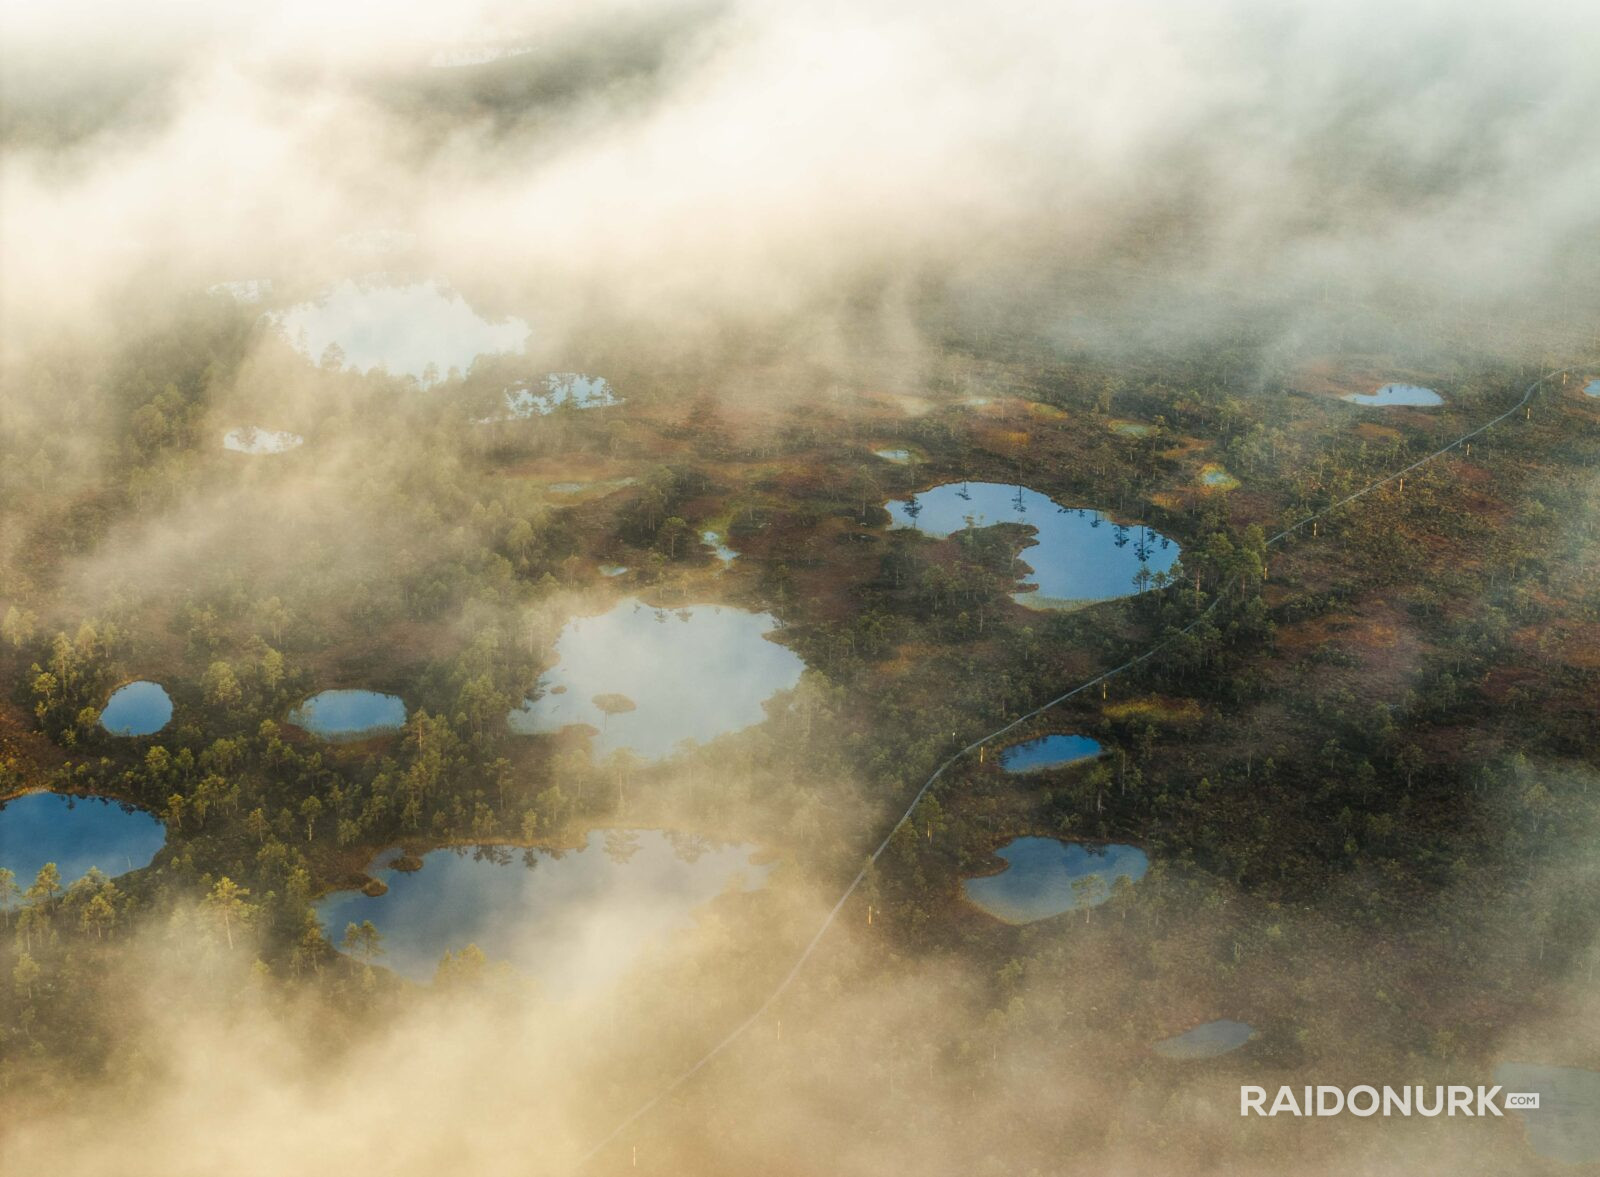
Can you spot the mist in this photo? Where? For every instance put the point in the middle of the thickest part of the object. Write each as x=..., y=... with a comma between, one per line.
x=759, y=161
x=781, y=231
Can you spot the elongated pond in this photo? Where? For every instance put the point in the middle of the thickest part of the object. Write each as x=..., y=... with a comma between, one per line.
x=1045, y=877
x=422, y=329
x=138, y=708
x=647, y=678
x=1052, y=751
x=1205, y=1041
x=572, y=389
x=75, y=833
x=571, y=919
x=1397, y=394
x=350, y=715
x=1079, y=555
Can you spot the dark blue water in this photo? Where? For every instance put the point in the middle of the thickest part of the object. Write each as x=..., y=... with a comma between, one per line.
x=571, y=919
x=75, y=833
x=1566, y=1124
x=1079, y=556
x=1048, y=752
x=1038, y=882
x=137, y=709
x=1206, y=1041
x=1397, y=394
x=349, y=715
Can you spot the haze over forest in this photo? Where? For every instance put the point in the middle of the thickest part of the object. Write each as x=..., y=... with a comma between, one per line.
x=679, y=304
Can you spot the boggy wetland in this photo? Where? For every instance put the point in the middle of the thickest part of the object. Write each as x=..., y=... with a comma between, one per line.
x=596, y=760
x=740, y=589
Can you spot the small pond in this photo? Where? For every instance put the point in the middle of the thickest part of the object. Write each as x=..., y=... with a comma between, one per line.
x=1592, y=388
x=539, y=399
x=1132, y=428
x=75, y=833
x=422, y=329
x=247, y=439
x=898, y=457
x=1566, y=1125
x=349, y=715
x=722, y=551
x=691, y=673
x=1217, y=477
x=1045, y=877
x=1206, y=1041
x=1397, y=394
x=1079, y=555
x=571, y=919
x=1048, y=752
x=137, y=709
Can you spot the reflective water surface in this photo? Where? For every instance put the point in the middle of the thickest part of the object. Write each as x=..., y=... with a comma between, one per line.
x=247, y=439
x=719, y=547
x=1205, y=1041
x=571, y=919
x=692, y=673
x=138, y=708
x=349, y=715
x=538, y=399
x=1080, y=555
x=75, y=833
x=1048, y=752
x=1397, y=394
x=422, y=329
x=1045, y=877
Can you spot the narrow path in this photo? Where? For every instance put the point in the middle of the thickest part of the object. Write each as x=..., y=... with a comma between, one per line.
x=1105, y=676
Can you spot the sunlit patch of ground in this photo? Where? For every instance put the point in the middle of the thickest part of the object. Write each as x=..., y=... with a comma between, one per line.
x=1185, y=446
x=1002, y=441
x=1047, y=412
x=1372, y=431
x=1158, y=708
